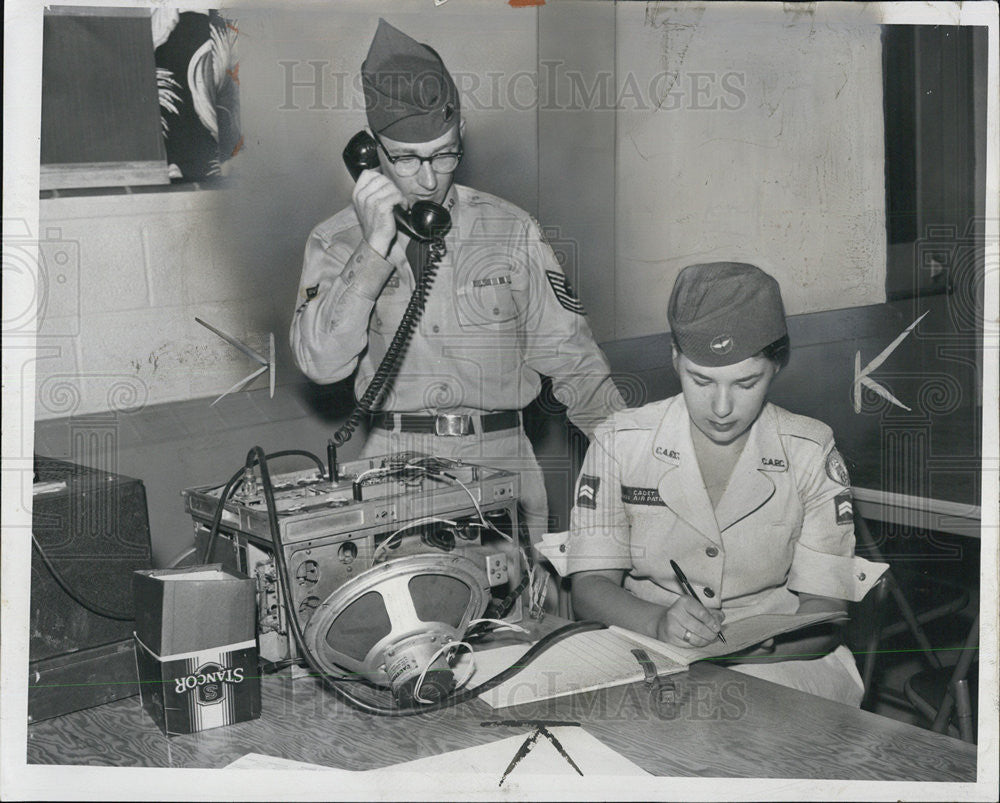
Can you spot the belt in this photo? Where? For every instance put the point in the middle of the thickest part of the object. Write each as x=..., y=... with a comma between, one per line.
x=448, y=424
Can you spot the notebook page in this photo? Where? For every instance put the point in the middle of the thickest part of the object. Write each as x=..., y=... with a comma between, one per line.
x=739, y=635
x=596, y=659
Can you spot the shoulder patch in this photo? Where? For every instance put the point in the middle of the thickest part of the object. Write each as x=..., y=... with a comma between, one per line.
x=309, y=294
x=836, y=470
x=564, y=293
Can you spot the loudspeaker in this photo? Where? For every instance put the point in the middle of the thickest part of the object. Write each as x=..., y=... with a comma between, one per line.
x=93, y=527
x=393, y=624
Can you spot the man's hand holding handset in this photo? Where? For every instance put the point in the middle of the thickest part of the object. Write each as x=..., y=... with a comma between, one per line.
x=374, y=197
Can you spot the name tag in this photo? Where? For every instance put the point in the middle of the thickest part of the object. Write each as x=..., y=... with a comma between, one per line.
x=493, y=281
x=641, y=496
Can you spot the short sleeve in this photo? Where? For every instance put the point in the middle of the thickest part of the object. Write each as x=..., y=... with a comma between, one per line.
x=599, y=527
x=824, y=562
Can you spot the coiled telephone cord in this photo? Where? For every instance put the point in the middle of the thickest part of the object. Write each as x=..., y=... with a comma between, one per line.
x=397, y=348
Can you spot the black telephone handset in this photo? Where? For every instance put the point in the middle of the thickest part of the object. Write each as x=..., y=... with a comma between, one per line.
x=425, y=220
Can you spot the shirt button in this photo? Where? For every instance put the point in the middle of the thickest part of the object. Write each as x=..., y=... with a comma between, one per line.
x=711, y=551
x=350, y=275
x=496, y=310
x=709, y=593
x=435, y=328
x=378, y=321
x=358, y=259
x=861, y=576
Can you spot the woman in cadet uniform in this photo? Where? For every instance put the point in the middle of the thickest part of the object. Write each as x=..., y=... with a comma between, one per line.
x=752, y=501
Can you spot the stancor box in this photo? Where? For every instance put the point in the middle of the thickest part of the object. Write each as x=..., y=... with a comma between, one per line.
x=196, y=647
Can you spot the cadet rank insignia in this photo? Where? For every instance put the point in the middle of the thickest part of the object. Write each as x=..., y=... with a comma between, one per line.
x=563, y=292
x=843, y=507
x=586, y=495
x=835, y=468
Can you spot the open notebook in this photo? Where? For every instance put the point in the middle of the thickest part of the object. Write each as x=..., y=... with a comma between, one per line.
x=598, y=659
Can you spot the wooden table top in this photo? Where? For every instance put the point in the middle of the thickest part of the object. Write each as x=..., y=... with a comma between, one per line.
x=725, y=725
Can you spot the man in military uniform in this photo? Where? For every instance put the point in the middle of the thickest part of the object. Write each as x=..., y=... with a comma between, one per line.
x=498, y=316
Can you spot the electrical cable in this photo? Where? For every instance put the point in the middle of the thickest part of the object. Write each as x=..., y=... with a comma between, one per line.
x=387, y=543
x=108, y=613
x=330, y=682
x=93, y=607
x=397, y=348
x=217, y=518
x=536, y=596
x=500, y=624
x=230, y=487
x=302, y=453
x=430, y=662
x=479, y=510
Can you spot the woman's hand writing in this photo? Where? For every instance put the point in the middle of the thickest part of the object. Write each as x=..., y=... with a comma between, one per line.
x=688, y=617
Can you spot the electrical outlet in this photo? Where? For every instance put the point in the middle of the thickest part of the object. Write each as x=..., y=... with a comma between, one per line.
x=505, y=491
x=496, y=570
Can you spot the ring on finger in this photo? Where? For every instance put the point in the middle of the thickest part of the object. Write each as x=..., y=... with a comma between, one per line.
x=687, y=636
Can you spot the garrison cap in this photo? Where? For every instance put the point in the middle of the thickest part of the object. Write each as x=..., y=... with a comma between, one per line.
x=721, y=313
x=409, y=94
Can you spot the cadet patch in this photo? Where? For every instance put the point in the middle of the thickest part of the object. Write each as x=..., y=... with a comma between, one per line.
x=586, y=495
x=563, y=292
x=641, y=496
x=843, y=507
x=772, y=462
x=835, y=468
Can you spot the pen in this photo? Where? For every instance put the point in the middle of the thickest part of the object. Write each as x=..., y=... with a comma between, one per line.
x=687, y=587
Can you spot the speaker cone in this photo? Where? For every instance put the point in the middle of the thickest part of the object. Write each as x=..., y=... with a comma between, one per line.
x=391, y=621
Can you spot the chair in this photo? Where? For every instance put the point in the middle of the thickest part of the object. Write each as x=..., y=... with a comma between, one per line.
x=878, y=631
x=938, y=693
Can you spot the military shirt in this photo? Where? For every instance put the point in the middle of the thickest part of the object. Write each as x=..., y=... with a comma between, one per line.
x=499, y=315
x=783, y=524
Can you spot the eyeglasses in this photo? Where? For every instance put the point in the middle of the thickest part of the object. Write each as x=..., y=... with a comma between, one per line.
x=408, y=164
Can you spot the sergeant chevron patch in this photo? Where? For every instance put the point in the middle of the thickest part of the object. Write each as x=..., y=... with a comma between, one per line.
x=586, y=495
x=563, y=292
x=843, y=507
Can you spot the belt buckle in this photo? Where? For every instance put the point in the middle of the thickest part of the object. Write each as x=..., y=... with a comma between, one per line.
x=452, y=424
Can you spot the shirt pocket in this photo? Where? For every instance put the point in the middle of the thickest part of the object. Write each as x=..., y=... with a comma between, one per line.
x=652, y=529
x=388, y=313
x=487, y=302
x=761, y=555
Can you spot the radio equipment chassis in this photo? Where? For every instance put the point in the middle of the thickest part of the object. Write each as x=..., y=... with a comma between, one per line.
x=332, y=531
